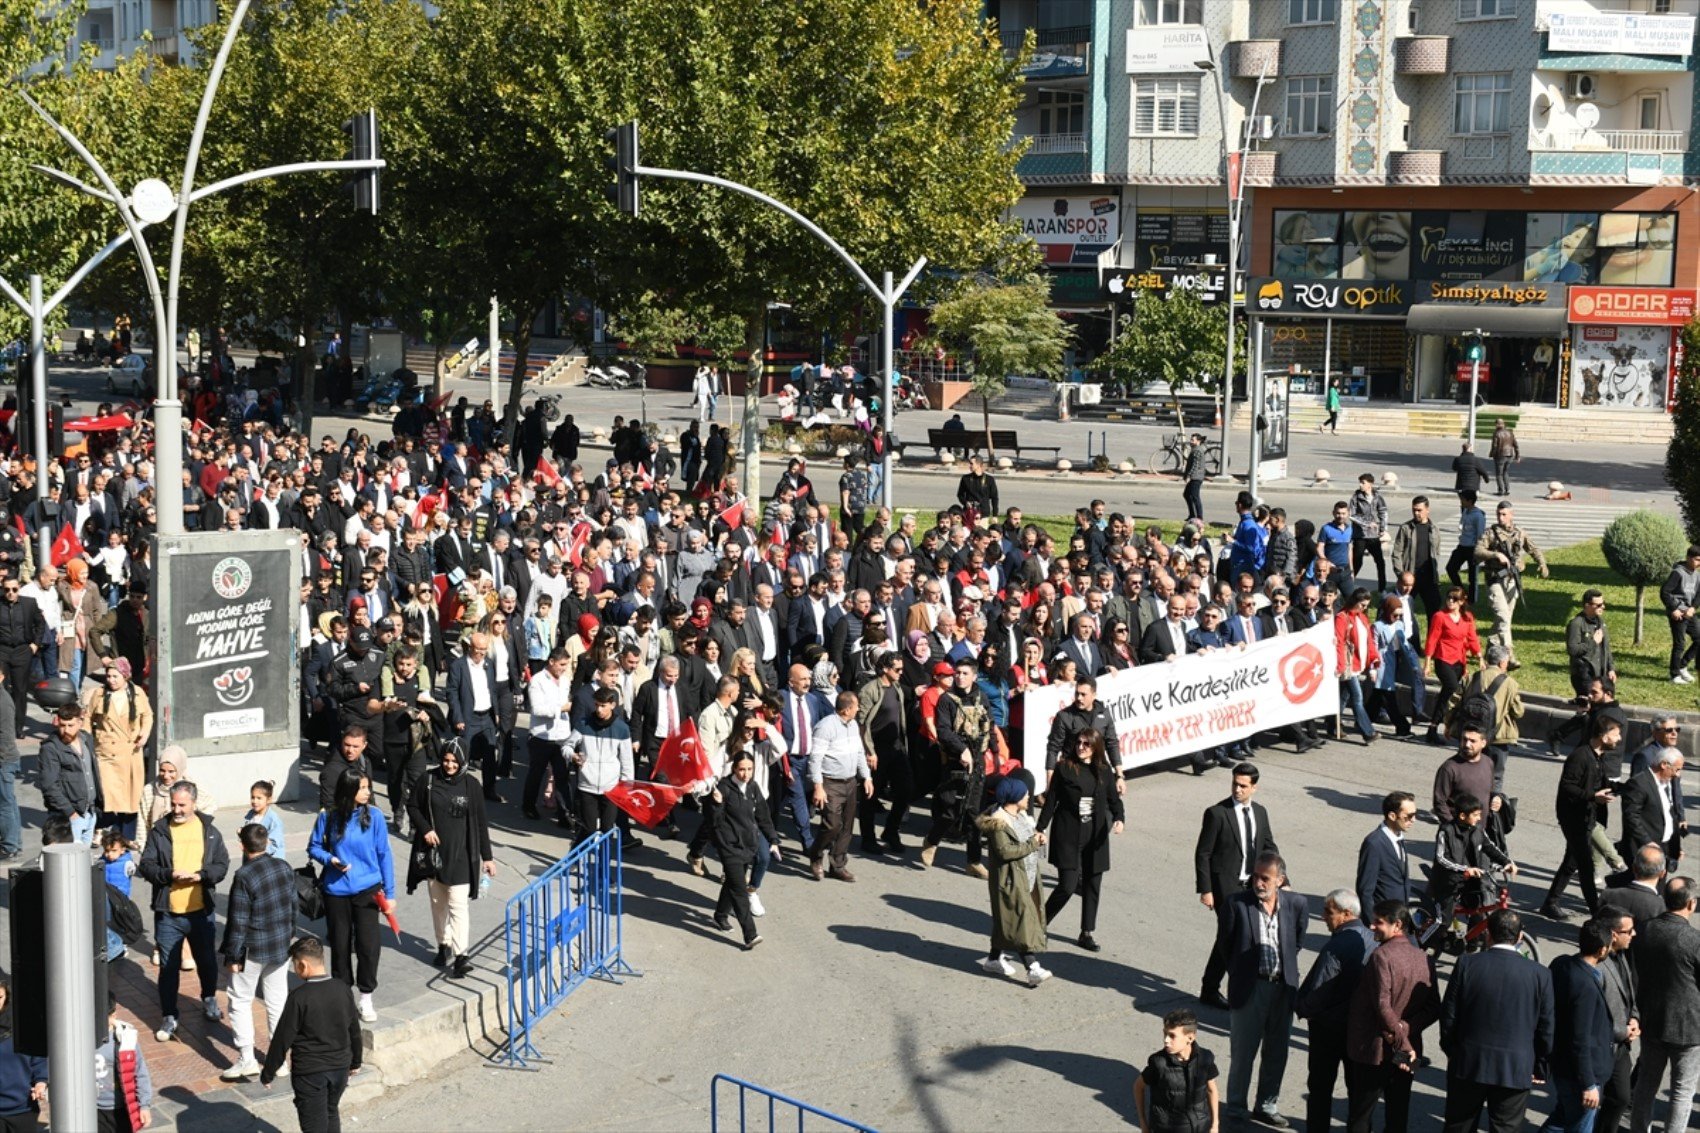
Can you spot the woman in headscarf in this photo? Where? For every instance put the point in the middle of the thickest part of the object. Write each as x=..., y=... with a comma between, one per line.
x=80, y=599
x=156, y=804
x=1018, y=914
x=121, y=720
x=702, y=613
x=917, y=659
x=451, y=847
x=581, y=643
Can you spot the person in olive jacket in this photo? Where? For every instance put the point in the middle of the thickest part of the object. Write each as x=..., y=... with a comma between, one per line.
x=1082, y=800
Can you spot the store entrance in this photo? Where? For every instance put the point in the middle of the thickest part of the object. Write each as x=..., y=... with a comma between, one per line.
x=1514, y=371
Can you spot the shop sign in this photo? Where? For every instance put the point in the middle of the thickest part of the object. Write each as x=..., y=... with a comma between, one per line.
x=1163, y=239
x=1210, y=283
x=1166, y=50
x=1599, y=334
x=1483, y=293
x=1620, y=33
x=1069, y=230
x=1638, y=306
x=1461, y=373
x=1326, y=297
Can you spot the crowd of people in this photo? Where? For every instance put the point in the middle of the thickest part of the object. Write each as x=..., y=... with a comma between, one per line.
x=838, y=664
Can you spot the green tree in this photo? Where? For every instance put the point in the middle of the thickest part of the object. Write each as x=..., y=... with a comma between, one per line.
x=1641, y=546
x=1682, y=458
x=999, y=330
x=1176, y=339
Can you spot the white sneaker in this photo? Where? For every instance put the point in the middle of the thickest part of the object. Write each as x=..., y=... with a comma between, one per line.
x=1036, y=975
x=1683, y=678
x=247, y=1068
x=999, y=966
x=757, y=909
x=368, y=1013
x=167, y=1029
x=210, y=1006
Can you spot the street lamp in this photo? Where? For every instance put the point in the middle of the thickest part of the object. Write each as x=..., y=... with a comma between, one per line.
x=1233, y=163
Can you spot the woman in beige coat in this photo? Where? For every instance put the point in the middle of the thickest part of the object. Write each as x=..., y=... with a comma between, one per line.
x=121, y=720
x=84, y=607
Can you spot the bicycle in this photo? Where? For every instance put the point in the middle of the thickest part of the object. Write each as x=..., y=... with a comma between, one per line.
x=1171, y=458
x=1467, y=929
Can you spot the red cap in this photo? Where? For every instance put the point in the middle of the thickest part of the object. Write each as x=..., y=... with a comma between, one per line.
x=943, y=669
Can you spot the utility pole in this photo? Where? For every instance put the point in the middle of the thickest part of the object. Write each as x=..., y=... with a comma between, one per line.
x=496, y=354
x=1477, y=351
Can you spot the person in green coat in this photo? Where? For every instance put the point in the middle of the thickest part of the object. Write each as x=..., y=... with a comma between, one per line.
x=1331, y=402
x=1018, y=906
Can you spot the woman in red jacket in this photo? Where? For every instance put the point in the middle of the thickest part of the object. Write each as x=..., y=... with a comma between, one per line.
x=1358, y=657
x=1452, y=641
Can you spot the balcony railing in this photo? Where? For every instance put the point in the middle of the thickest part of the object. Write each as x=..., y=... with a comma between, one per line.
x=1054, y=143
x=1046, y=37
x=1618, y=141
x=97, y=42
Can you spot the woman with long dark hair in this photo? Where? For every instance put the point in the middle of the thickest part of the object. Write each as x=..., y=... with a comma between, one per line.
x=451, y=847
x=1452, y=641
x=1081, y=800
x=352, y=845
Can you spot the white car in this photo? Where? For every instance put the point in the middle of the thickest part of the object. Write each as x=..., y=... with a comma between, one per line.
x=131, y=375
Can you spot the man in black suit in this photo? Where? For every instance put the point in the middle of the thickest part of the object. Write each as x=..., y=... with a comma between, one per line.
x=1383, y=865
x=1165, y=640
x=1581, y=788
x=1643, y=896
x=1278, y=620
x=1622, y=988
x=660, y=708
x=1582, y=1041
x=1667, y=963
x=1652, y=807
x=1496, y=1027
x=1325, y=997
x=1081, y=648
x=1235, y=833
x=1262, y=984
x=471, y=694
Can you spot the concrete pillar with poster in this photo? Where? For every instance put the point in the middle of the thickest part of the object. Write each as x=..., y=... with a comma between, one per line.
x=226, y=678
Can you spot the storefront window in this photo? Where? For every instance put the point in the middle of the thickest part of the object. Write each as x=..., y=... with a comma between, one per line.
x=1620, y=367
x=1633, y=249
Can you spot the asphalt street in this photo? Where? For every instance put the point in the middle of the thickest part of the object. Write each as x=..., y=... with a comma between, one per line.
x=865, y=998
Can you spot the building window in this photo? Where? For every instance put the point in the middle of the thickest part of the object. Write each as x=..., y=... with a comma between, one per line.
x=1062, y=112
x=1155, y=13
x=1310, y=105
x=1487, y=9
x=1165, y=108
x=1650, y=116
x=1482, y=104
x=1312, y=11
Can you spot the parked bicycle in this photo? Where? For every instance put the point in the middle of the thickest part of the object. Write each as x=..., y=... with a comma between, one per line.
x=1171, y=458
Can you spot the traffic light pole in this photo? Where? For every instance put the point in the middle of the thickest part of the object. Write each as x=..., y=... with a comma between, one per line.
x=168, y=406
x=1476, y=351
x=887, y=295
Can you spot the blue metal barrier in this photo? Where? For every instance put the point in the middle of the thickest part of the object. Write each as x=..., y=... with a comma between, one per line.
x=774, y=1100
x=561, y=930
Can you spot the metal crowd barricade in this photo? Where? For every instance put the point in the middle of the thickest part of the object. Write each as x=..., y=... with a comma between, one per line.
x=773, y=1103
x=561, y=930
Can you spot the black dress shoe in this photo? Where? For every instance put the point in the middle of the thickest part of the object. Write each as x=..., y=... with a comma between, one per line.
x=462, y=965
x=723, y=926
x=1213, y=999
x=1091, y=945
x=442, y=960
x=529, y=812
x=872, y=846
x=893, y=845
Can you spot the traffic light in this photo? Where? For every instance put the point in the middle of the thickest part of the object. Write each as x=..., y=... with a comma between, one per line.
x=1475, y=351
x=362, y=130
x=623, y=163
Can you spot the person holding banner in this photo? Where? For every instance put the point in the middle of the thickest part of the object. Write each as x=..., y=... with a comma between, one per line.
x=1359, y=658
x=1082, y=799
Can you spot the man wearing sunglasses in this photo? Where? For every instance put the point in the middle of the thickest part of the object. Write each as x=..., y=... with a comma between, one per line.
x=22, y=628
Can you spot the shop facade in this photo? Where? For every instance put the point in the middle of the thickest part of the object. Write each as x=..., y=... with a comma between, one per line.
x=1368, y=290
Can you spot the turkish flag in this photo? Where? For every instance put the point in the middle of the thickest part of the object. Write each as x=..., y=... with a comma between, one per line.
x=545, y=472
x=733, y=516
x=681, y=760
x=66, y=547
x=387, y=907
x=648, y=803
x=581, y=539
x=448, y=601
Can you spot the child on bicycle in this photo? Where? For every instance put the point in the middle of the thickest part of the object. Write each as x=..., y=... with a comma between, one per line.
x=1462, y=854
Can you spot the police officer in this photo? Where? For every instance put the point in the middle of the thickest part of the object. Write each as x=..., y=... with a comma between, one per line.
x=22, y=628
x=1500, y=554
x=354, y=684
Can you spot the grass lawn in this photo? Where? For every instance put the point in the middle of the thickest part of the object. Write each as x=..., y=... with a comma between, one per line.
x=1548, y=606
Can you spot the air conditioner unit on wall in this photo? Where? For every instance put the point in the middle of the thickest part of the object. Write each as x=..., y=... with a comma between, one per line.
x=1582, y=85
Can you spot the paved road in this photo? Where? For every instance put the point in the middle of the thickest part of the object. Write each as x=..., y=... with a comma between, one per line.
x=865, y=998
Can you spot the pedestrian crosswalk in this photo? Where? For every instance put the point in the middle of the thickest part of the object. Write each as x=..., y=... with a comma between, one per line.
x=1561, y=523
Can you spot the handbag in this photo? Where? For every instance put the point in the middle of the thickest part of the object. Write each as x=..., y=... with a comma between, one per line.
x=427, y=859
x=309, y=898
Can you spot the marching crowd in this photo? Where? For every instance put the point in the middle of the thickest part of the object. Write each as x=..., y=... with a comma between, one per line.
x=799, y=671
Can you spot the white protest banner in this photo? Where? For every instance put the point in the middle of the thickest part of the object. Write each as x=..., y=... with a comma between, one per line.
x=1175, y=708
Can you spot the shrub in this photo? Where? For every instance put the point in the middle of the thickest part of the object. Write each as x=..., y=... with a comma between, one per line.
x=1641, y=546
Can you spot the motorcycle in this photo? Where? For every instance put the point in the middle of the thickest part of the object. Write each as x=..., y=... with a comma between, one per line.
x=614, y=376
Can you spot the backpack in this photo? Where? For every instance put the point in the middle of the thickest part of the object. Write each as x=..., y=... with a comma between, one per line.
x=1477, y=709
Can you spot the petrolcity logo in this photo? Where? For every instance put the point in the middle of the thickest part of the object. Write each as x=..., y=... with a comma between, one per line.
x=1301, y=673
x=231, y=577
x=234, y=687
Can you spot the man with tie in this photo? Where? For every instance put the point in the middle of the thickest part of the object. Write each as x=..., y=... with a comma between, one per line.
x=1383, y=865
x=1082, y=649
x=658, y=709
x=1234, y=834
x=1166, y=640
x=471, y=694
x=1652, y=810
x=764, y=624
x=1244, y=628
x=800, y=710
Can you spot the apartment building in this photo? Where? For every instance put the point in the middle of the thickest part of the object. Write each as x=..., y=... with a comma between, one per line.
x=109, y=30
x=1415, y=171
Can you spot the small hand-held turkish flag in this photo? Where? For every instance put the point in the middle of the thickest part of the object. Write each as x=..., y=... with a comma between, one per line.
x=545, y=472
x=387, y=907
x=681, y=760
x=648, y=803
x=733, y=516
x=66, y=547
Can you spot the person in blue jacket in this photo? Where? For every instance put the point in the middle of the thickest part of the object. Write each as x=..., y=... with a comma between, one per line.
x=352, y=845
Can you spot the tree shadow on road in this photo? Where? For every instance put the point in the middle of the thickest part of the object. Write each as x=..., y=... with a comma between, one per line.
x=1109, y=1079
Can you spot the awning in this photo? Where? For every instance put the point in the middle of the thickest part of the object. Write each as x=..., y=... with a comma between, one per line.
x=1459, y=318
